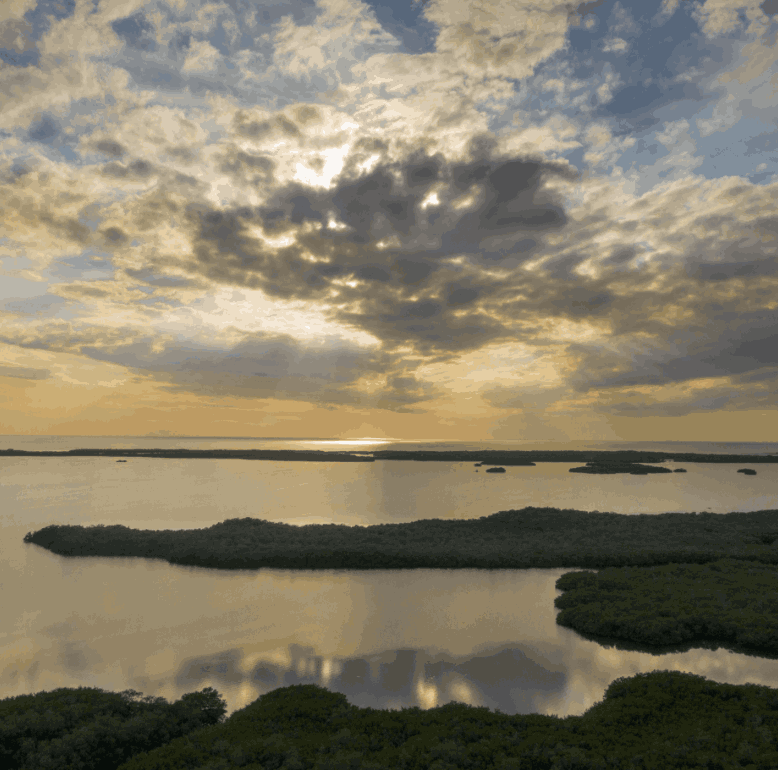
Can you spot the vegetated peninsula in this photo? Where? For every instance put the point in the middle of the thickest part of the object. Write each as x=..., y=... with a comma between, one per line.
x=735, y=604
x=658, y=720
x=674, y=607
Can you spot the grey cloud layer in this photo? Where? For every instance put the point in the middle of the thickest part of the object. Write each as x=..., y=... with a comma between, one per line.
x=329, y=373
x=24, y=372
x=383, y=263
x=728, y=343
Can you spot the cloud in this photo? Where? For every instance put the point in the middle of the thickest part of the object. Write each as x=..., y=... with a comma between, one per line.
x=136, y=31
x=108, y=147
x=327, y=372
x=44, y=130
x=44, y=305
x=138, y=169
x=770, y=7
x=24, y=372
x=329, y=201
x=369, y=248
x=508, y=38
x=714, y=349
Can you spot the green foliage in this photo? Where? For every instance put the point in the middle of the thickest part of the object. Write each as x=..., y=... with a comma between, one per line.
x=90, y=729
x=728, y=601
x=658, y=721
x=531, y=537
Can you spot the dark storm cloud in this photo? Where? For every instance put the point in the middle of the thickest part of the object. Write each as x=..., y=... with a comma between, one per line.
x=651, y=408
x=770, y=7
x=326, y=372
x=399, y=253
x=402, y=392
x=66, y=227
x=428, y=325
x=261, y=129
x=247, y=167
x=115, y=235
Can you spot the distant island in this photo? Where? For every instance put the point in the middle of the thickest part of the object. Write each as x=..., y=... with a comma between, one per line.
x=597, y=462
x=607, y=467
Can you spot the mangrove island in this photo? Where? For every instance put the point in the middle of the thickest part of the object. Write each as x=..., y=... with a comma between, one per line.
x=718, y=546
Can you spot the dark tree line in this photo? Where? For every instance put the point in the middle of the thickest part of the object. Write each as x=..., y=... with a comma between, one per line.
x=657, y=721
x=91, y=729
x=528, y=538
x=661, y=720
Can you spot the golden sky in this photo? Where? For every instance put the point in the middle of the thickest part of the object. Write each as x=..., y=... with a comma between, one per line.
x=422, y=220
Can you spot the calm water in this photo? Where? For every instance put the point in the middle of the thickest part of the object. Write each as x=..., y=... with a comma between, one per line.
x=386, y=639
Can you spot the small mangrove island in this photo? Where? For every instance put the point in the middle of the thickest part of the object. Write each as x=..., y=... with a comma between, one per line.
x=607, y=467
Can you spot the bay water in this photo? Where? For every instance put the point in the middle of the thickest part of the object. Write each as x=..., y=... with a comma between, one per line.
x=387, y=639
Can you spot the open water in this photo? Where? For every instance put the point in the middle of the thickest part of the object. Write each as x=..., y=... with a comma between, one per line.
x=386, y=638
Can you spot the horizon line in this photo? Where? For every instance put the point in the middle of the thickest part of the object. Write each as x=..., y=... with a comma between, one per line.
x=383, y=438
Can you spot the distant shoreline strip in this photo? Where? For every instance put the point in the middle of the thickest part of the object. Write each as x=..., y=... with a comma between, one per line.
x=486, y=457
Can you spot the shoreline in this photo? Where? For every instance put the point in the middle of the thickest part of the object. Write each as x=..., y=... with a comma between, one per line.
x=666, y=583
x=720, y=551
x=487, y=456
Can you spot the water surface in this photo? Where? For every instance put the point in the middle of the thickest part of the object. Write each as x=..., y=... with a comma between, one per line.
x=386, y=639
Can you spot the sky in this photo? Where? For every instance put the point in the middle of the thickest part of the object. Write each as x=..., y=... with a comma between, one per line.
x=414, y=219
